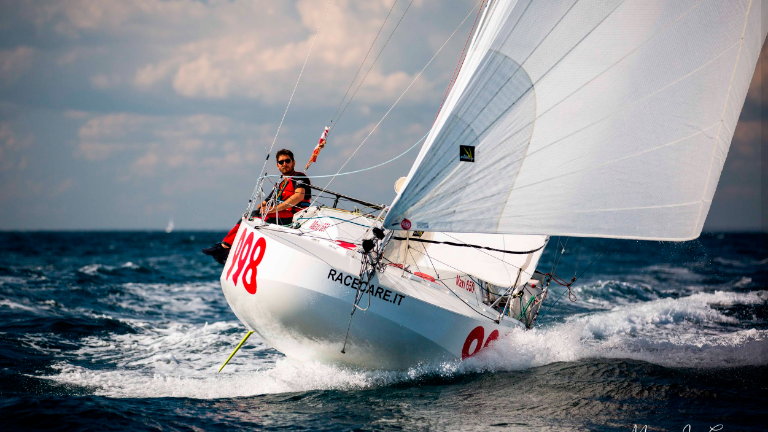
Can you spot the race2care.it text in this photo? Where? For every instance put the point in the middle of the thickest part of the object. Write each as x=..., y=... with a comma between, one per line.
x=354, y=283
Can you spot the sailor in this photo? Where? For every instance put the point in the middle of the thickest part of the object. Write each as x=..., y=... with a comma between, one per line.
x=289, y=197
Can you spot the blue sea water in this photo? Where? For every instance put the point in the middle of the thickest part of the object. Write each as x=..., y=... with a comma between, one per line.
x=126, y=331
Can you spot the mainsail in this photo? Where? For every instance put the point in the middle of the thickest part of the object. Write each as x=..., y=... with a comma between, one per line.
x=605, y=118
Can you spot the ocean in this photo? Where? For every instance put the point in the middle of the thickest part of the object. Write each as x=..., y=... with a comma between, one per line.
x=126, y=331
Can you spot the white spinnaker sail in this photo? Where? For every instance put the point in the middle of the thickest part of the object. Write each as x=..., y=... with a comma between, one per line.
x=604, y=118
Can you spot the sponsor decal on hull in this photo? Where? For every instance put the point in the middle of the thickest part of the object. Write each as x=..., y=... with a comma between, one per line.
x=474, y=341
x=245, y=262
x=319, y=226
x=355, y=283
x=468, y=284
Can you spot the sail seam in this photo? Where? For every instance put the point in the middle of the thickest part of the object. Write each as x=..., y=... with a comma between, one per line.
x=522, y=159
x=521, y=64
x=722, y=119
x=529, y=214
x=593, y=168
x=619, y=61
x=548, y=70
x=557, y=24
x=617, y=209
x=626, y=107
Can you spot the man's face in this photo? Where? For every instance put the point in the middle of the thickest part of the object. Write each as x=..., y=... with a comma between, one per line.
x=285, y=164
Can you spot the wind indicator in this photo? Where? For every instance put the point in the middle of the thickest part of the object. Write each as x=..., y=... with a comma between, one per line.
x=320, y=145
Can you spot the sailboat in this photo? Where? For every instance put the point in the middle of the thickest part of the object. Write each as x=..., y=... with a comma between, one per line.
x=169, y=227
x=607, y=119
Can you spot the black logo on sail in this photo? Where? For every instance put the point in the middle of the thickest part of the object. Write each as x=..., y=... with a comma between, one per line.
x=466, y=153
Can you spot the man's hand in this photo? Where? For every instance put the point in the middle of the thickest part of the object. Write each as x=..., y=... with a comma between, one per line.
x=294, y=200
x=263, y=208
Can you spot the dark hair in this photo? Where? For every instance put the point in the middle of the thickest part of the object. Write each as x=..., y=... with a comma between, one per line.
x=284, y=152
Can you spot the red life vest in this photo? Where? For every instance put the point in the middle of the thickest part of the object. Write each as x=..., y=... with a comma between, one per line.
x=287, y=188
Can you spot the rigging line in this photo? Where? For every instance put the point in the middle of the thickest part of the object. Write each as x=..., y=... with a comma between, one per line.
x=297, y=82
x=590, y=264
x=533, y=51
x=553, y=305
x=371, y=67
x=432, y=264
x=462, y=57
x=408, y=251
x=509, y=276
x=365, y=169
x=568, y=288
x=474, y=97
x=554, y=258
x=363, y=62
x=561, y=255
x=472, y=246
x=452, y=292
x=403, y=94
x=578, y=255
x=441, y=281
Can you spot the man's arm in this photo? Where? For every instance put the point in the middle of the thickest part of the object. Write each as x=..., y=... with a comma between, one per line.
x=293, y=200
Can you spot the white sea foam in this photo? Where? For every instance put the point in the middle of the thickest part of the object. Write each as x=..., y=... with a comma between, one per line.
x=179, y=299
x=181, y=359
x=14, y=305
x=4, y=280
x=685, y=332
x=92, y=269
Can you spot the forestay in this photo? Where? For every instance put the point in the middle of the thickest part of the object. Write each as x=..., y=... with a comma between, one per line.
x=604, y=118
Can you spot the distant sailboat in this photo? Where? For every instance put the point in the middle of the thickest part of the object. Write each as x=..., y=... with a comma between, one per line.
x=169, y=228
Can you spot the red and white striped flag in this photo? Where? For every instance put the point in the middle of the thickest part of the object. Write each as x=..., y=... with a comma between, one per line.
x=318, y=147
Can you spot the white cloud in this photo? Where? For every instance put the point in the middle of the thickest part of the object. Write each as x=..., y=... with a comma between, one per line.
x=63, y=186
x=241, y=48
x=103, y=82
x=13, y=63
x=152, y=143
x=11, y=148
x=151, y=74
x=200, y=78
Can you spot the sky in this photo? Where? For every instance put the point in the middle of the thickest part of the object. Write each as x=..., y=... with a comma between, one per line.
x=125, y=114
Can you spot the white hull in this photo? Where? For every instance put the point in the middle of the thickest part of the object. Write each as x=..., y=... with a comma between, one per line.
x=296, y=289
x=303, y=293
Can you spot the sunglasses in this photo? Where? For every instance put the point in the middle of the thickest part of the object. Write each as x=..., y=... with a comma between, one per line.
x=284, y=161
